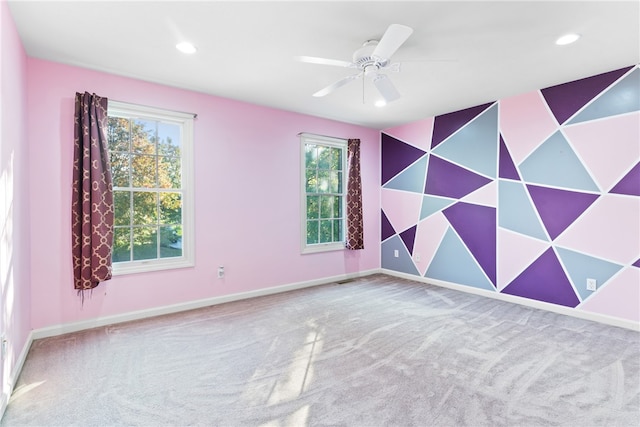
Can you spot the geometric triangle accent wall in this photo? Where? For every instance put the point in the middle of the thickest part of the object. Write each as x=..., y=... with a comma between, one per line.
x=566, y=99
x=630, y=183
x=558, y=195
x=558, y=208
x=396, y=156
x=544, y=280
x=474, y=146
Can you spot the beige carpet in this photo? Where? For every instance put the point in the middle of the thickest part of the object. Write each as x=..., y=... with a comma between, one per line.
x=377, y=351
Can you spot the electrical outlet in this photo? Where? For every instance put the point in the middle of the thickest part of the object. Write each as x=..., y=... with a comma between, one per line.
x=416, y=256
x=220, y=272
x=396, y=254
x=591, y=284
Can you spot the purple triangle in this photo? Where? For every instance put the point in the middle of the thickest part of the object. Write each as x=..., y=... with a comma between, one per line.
x=476, y=226
x=566, y=99
x=630, y=184
x=448, y=180
x=558, y=209
x=408, y=236
x=445, y=125
x=396, y=156
x=637, y=263
x=507, y=168
x=544, y=280
x=386, y=229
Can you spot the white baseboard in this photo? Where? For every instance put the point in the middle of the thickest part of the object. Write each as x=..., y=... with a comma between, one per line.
x=65, y=328
x=600, y=318
x=15, y=373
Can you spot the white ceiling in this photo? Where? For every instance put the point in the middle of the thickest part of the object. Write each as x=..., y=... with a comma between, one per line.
x=246, y=49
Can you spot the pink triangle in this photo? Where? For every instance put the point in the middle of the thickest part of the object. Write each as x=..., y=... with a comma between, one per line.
x=620, y=297
x=525, y=122
x=417, y=133
x=401, y=207
x=608, y=230
x=487, y=195
x=607, y=146
x=515, y=253
x=429, y=235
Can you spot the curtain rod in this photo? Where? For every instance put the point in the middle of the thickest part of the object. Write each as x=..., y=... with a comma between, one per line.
x=322, y=136
x=147, y=107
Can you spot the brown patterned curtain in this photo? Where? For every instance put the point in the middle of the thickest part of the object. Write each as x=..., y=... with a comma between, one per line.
x=355, y=237
x=92, y=201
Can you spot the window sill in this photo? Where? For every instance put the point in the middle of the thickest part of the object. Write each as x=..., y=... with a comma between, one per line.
x=134, y=267
x=323, y=247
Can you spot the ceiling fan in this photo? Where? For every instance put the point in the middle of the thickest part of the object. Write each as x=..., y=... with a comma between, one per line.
x=373, y=58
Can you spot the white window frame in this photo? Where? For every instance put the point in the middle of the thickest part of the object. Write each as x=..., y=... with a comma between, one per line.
x=185, y=120
x=307, y=138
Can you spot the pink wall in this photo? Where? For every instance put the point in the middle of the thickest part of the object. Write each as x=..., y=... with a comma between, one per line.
x=247, y=198
x=15, y=304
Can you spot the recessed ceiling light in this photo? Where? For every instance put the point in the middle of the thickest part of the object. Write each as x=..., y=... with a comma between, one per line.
x=186, y=47
x=567, y=39
x=380, y=103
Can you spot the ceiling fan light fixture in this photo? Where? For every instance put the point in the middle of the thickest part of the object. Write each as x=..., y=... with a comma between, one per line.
x=186, y=47
x=567, y=39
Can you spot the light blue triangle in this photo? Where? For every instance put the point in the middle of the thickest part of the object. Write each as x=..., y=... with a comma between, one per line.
x=516, y=212
x=581, y=267
x=622, y=97
x=475, y=146
x=403, y=263
x=453, y=263
x=555, y=163
x=432, y=204
x=412, y=178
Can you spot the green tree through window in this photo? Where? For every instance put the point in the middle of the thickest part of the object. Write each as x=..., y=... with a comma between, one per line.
x=147, y=168
x=324, y=175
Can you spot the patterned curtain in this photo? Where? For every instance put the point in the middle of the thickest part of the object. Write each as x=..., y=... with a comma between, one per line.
x=355, y=237
x=92, y=201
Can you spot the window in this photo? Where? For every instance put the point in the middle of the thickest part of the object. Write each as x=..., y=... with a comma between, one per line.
x=151, y=166
x=323, y=192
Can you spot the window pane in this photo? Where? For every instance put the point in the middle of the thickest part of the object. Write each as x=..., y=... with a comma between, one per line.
x=326, y=231
x=313, y=208
x=337, y=230
x=170, y=242
x=337, y=207
x=311, y=156
x=170, y=208
x=145, y=208
x=119, y=169
x=312, y=181
x=145, y=244
x=122, y=207
x=169, y=139
x=143, y=136
x=121, y=244
x=335, y=182
x=143, y=171
x=118, y=130
x=323, y=181
x=324, y=157
x=326, y=206
x=312, y=232
x=169, y=172
x=336, y=159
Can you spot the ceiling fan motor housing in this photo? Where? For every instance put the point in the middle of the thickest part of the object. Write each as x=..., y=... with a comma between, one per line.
x=364, y=60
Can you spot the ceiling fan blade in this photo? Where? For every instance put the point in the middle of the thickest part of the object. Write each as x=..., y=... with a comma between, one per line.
x=386, y=88
x=392, y=39
x=327, y=90
x=323, y=61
